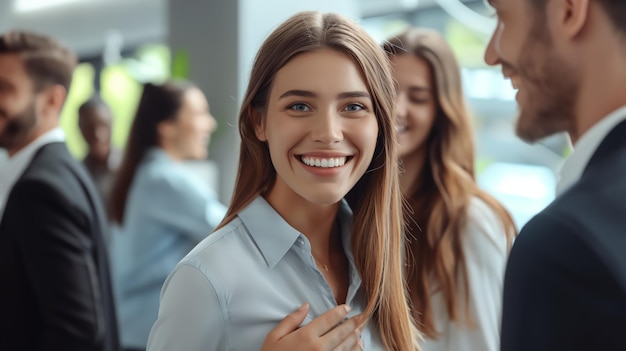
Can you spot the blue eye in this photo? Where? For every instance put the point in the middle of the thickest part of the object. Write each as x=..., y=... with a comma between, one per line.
x=354, y=107
x=299, y=107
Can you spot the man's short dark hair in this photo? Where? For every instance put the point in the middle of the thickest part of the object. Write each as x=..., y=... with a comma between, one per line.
x=46, y=60
x=94, y=102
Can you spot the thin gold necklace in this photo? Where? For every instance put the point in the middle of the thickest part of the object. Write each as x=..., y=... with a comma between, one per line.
x=317, y=260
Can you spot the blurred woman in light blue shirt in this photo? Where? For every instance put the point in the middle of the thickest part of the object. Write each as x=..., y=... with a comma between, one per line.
x=162, y=209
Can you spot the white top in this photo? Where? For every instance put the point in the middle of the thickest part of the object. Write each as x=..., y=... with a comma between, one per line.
x=12, y=168
x=574, y=166
x=233, y=288
x=485, y=250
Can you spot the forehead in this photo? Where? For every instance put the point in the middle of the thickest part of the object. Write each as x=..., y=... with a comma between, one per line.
x=322, y=71
x=409, y=69
x=499, y=4
x=193, y=98
x=96, y=114
x=13, y=72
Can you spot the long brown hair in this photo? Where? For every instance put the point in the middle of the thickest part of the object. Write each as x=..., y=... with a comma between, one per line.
x=377, y=240
x=158, y=103
x=441, y=196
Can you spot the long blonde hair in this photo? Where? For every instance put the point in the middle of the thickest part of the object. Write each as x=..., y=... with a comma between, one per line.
x=441, y=196
x=377, y=239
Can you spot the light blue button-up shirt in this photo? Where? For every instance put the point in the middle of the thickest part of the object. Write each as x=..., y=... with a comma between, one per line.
x=233, y=288
x=169, y=210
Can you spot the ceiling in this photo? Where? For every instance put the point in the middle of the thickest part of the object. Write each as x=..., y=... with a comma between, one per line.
x=85, y=25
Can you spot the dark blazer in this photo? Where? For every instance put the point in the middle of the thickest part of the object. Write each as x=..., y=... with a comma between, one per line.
x=565, y=283
x=55, y=289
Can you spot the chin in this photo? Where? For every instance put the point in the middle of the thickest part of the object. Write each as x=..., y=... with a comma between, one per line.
x=323, y=197
x=199, y=155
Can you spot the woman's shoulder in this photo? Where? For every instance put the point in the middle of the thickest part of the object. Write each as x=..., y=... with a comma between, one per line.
x=228, y=258
x=224, y=243
x=484, y=225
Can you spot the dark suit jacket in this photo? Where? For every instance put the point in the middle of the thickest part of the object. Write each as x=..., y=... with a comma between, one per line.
x=55, y=286
x=565, y=283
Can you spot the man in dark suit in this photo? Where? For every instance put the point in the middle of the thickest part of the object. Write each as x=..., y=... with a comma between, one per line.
x=56, y=290
x=565, y=282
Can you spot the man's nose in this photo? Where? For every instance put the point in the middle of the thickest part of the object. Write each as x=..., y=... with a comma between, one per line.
x=492, y=57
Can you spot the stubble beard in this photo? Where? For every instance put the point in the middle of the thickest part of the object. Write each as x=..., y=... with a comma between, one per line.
x=551, y=89
x=18, y=127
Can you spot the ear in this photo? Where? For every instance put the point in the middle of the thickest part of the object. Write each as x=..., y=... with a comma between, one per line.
x=574, y=14
x=53, y=98
x=259, y=125
x=165, y=129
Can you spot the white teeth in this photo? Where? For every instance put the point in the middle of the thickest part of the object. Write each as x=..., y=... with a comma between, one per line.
x=323, y=162
x=514, y=83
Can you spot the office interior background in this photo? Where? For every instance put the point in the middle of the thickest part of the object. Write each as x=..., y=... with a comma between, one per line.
x=123, y=43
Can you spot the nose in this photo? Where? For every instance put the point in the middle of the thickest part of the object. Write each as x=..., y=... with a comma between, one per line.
x=401, y=106
x=327, y=129
x=102, y=134
x=212, y=124
x=492, y=57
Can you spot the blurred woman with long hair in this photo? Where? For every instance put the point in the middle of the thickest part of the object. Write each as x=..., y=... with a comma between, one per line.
x=458, y=237
x=161, y=208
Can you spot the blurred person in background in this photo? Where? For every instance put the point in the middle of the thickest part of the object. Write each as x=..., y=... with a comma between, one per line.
x=565, y=283
x=95, y=122
x=458, y=236
x=162, y=209
x=56, y=291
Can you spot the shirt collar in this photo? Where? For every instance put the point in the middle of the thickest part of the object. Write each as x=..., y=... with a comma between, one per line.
x=157, y=153
x=575, y=164
x=12, y=167
x=274, y=236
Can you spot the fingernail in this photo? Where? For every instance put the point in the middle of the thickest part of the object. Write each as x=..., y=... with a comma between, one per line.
x=302, y=307
x=348, y=308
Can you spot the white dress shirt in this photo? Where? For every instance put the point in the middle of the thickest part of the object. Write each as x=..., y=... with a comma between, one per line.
x=485, y=251
x=11, y=168
x=575, y=164
x=233, y=288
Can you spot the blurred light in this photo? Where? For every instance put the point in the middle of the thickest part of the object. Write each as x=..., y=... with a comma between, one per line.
x=523, y=189
x=35, y=5
x=467, y=16
x=482, y=83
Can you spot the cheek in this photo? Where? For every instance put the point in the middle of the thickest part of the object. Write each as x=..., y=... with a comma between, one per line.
x=422, y=116
x=364, y=135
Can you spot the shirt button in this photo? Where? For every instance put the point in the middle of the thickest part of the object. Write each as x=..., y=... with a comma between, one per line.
x=300, y=241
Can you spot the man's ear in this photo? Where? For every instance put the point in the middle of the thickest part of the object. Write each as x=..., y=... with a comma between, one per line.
x=259, y=126
x=53, y=98
x=573, y=15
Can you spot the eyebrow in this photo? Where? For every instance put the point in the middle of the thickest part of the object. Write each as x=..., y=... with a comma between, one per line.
x=419, y=89
x=306, y=93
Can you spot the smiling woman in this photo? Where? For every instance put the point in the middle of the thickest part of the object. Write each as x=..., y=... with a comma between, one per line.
x=314, y=225
x=458, y=235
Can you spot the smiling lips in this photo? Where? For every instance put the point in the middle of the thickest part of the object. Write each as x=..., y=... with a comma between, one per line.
x=322, y=162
